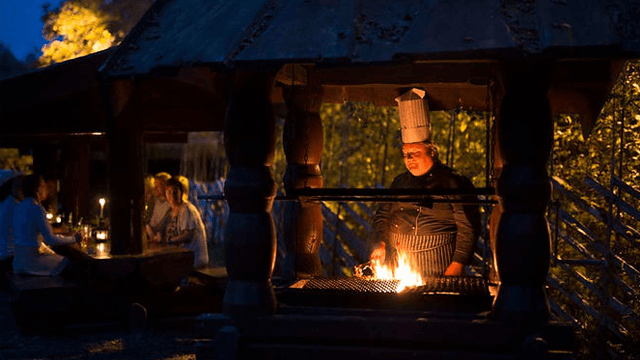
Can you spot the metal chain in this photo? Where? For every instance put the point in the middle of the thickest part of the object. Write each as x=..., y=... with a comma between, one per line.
x=306, y=148
x=489, y=144
x=493, y=135
x=489, y=174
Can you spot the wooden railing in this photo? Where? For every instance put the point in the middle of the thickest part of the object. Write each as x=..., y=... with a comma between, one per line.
x=593, y=282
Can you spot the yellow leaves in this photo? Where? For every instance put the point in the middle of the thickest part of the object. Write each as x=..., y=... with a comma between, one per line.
x=81, y=31
x=463, y=126
x=11, y=158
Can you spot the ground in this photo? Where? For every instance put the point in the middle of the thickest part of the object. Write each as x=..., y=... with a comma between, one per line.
x=99, y=344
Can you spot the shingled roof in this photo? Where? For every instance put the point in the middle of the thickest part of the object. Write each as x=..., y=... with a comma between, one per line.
x=231, y=33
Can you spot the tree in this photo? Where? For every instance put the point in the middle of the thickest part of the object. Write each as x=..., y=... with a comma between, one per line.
x=81, y=27
x=362, y=146
x=612, y=149
x=12, y=159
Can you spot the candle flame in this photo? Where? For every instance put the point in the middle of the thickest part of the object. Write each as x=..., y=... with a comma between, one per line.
x=404, y=271
x=101, y=235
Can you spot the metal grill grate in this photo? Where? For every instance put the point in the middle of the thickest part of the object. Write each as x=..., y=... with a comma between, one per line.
x=455, y=285
x=462, y=285
x=438, y=294
x=353, y=284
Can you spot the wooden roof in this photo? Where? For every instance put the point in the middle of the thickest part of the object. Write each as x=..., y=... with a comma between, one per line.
x=169, y=65
x=71, y=99
x=230, y=33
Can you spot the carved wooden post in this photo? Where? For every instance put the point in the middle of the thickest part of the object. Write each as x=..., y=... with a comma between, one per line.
x=302, y=141
x=525, y=135
x=250, y=243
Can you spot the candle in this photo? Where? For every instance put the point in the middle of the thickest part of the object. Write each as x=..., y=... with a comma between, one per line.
x=101, y=235
x=102, y=202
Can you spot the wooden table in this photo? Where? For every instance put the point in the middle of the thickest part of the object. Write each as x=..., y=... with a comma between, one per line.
x=156, y=267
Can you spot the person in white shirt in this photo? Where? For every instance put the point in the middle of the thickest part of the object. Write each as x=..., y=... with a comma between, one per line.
x=32, y=255
x=155, y=227
x=185, y=225
x=7, y=207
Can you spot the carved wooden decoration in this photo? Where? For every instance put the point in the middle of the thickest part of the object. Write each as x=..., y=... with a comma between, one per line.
x=250, y=243
x=522, y=245
x=302, y=140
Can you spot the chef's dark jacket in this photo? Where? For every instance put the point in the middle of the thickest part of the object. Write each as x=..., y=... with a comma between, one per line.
x=430, y=218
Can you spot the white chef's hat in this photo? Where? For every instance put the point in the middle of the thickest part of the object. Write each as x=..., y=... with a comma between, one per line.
x=414, y=116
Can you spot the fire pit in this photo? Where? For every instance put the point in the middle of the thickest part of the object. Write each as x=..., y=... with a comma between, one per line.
x=461, y=293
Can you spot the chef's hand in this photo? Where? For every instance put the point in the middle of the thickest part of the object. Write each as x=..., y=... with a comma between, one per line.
x=379, y=253
x=455, y=269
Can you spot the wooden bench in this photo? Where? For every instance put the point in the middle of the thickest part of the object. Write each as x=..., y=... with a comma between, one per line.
x=41, y=301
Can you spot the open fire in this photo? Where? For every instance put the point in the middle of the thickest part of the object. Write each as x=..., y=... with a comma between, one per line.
x=403, y=271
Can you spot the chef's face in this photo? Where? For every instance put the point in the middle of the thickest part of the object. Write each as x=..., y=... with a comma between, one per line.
x=416, y=158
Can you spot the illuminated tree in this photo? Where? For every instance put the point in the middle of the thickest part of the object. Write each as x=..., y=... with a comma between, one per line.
x=12, y=159
x=82, y=27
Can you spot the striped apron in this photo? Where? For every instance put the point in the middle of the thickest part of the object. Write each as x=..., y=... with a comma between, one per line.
x=431, y=254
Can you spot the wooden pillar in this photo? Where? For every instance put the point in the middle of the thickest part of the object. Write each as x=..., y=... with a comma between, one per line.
x=250, y=239
x=75, y=189
x=525, y=134
x=302, y=142
x=126, y=183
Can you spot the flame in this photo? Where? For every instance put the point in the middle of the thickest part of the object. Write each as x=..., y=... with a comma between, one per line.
x=408, y=276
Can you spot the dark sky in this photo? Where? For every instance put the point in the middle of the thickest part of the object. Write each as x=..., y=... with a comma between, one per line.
x=20, y=25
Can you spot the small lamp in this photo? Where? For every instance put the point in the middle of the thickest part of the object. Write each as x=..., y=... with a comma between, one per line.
x=102, y=235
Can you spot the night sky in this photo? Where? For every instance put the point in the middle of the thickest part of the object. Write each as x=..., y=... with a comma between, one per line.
x=20, y=25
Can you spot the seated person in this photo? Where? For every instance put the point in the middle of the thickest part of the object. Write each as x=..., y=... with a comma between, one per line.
x=185, y=226
x=161, y=208
x=13, y=192
x=149, y=197
x=31, y=255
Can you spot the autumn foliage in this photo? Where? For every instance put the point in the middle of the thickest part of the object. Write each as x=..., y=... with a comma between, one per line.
x=82, y=27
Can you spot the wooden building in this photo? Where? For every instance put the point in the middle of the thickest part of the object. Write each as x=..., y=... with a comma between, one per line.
x=190, y=65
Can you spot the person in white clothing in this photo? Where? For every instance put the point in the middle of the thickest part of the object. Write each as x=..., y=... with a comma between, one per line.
x=155, y=227
x=7, y=207
x=32, y=255
x=185, y=225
